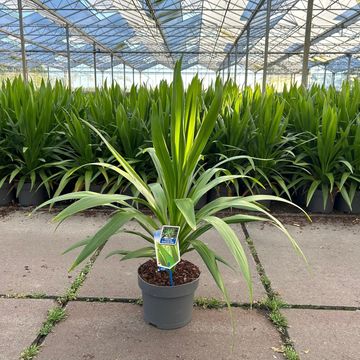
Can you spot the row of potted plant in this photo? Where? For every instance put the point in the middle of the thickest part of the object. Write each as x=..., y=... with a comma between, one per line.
x=299, y=144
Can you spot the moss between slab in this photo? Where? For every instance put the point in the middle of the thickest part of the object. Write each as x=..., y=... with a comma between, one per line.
x=58, y=313
x=273, y=304
x=30, y=352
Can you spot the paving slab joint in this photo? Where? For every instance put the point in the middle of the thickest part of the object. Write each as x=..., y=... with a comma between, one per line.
x=322, y=307
x=199, y=302
x=272, y=304
x=58, y=313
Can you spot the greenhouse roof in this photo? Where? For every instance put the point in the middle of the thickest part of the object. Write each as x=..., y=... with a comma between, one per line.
x=211, y=33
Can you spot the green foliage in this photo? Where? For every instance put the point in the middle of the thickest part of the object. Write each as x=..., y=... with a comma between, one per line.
x=274, y=303
x=278, y=319
x=71, y=293
x=30, y=132
x=54, y=316
x=298, y=140
x=39, y=295
x=208, y=303
x=290, y=353
x=30, y=352
x=180, y=184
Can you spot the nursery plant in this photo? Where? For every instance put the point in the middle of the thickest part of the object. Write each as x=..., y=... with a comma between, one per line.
x=349, y=187
x=31, y=133
x=232, y=133
x=322, y=154
x=172, y=199
x=79, y=150
x=269, y=143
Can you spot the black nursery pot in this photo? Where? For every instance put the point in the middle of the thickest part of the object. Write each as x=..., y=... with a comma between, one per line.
x=267, y=191
x=168, y=307
x=7, y=194
x=341, y=205
x=221, y=191
x=95, y=188
x=33, y=197
x=201, y=203
x=316, y=204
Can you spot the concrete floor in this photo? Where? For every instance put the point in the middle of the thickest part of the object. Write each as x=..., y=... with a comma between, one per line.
x=323, y=318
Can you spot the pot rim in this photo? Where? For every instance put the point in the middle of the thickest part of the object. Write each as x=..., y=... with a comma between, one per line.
x=169, y=287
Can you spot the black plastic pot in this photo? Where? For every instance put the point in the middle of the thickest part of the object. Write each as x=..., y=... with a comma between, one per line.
x=299, y=197
x=267, y=191
x=7, y=194
x=316, y=204
x=168, y=307
x=221, y=191
x=33, y=197
x=96, y=188
x=201, y=203
x=341, y=205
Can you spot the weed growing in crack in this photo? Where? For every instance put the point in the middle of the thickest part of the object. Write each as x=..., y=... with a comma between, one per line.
x=208, y=303
x=54, y=316
x=290, y=353
x=40, y=295
x=278, y=319
x=272, y=303
x=265, y=280
x=30, y=352
x=139, y=301
x=75, y=286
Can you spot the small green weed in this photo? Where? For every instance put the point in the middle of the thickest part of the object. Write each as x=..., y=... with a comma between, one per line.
x=290, y=353
x=274, y=303
x=265, y=281
x=278, y=319
x=208, y=303
x=55, y=315
x=39, y=295
x=71, y=293
x=139, y=301
x=30, y=352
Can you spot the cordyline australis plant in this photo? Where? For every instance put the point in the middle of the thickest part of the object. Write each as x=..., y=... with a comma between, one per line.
x=179, y=187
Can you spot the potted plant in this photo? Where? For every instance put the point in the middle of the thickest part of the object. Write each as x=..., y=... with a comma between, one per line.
x=229, y=139
x=348, y=102
x=348, y=197
x=270, y=145
x=79, y=150
x=32, y=138
x=7, y=191
x=321, y=155
x=171, y=201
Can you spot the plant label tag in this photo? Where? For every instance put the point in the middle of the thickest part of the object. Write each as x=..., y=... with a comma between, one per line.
x=167, y=246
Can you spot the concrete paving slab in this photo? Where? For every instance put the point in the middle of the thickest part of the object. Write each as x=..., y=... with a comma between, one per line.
x=325, y=334
x=114, y=331
x=20, y=321
x=32, y=260
x=332, y=248
x=112, y=278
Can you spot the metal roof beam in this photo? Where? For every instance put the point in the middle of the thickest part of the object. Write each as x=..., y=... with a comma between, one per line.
x=71, y=25
x=47, y=49
x=247, y=25
x=343, y=24
x=153, y=15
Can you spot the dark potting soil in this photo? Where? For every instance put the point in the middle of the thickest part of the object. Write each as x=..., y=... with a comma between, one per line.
x=184, y=272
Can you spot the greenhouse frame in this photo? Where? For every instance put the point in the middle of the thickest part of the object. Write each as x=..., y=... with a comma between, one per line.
x=179, y=179
x=87, y=42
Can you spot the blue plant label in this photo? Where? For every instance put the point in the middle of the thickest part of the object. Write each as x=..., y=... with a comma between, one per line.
x=168, y=241
x=167, y=246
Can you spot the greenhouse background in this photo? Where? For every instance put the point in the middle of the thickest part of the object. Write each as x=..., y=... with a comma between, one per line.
x=87, y=42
